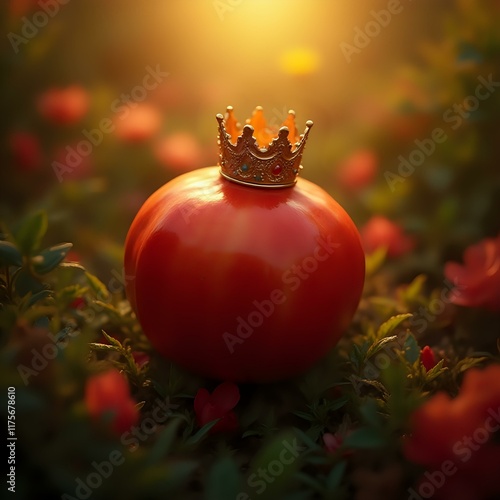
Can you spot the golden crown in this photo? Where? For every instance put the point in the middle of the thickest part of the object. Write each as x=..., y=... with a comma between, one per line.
x=257, y=155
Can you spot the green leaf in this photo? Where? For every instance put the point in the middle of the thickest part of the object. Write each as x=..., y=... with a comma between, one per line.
x=370, y=414
x=413, y=291
x=467, y=363
x=97, y=286
x=69, y=293
x=162, y=479
x=391, y=324
x=164, y=442
x=42, y=294
x=112, y=340
x=435, y=371
x=377, y=346
x=411, y=349
x=335, y=477
x=110, y=309
x=224, y=481
x=72, y=265
x=201, y=433
x=306, y=439
x=96, y=346
x=374, y=261
x=365, y=438
x=281, y=459
x=357, y=381
x=10, y=255
x=305, y=416
x=337, y=403
x=50, y=258
x=30, y=232
x=25, y=283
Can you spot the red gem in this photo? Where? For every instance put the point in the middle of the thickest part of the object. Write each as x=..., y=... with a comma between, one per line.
x=277, y=170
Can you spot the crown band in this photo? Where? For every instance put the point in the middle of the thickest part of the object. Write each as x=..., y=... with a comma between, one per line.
x=244, y=162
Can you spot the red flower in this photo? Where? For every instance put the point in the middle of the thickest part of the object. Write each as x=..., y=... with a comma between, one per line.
x=454, y=437
x=140, y=358
x=479, y=278
x=180, y=152
x=64, y=106
x=73, y=162
x=26, y=151
x=358, y=170
x=141, y=122
x=427, y=358
x=78, y=303
x=380, y=232
x=109, y=393
x=19, y=8
x=219, y=404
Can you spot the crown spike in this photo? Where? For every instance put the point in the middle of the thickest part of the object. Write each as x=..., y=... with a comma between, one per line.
x=231, y=125
x=289, y=122
x=257, y=156
x=261, y=131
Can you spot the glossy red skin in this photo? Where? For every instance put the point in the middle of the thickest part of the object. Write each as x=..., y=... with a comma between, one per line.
x=202, y=249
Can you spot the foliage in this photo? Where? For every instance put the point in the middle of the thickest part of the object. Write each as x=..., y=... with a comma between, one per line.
x=64, y=315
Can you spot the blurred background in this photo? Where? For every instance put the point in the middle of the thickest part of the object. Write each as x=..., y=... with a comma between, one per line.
x=104, y=102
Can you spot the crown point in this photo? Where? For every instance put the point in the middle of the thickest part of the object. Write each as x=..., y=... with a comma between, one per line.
x=258, y=156
x=293, y=135
x=309, y=123
x=261, y=131
x=231, y=125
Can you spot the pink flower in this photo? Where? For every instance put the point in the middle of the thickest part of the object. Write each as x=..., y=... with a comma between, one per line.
x=380, y=232
x=180, y=152
x=332, y=441
x=478, y=280
x=26, y=151
x=358, y=170
x=109, y=393
x=64, y=106
x=139, y=123
x=219, y=404
x=427, y=358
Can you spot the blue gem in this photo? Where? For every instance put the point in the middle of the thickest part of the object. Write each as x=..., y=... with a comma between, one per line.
x=244, y=167
x=257, y=177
